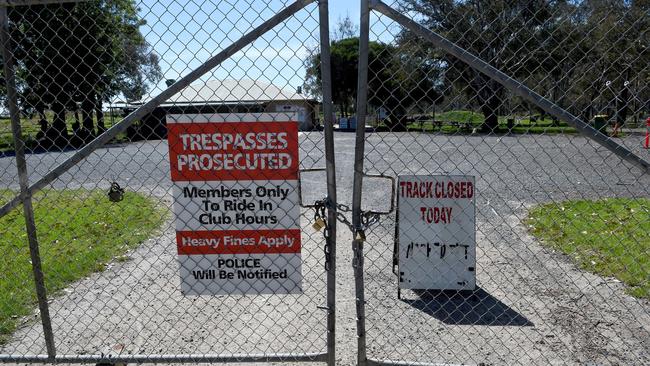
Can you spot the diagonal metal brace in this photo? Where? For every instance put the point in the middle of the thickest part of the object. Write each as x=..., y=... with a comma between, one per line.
x=513, y=85
x=148, y=107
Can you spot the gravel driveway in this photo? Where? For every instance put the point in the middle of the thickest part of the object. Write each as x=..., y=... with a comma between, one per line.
x=532, y=306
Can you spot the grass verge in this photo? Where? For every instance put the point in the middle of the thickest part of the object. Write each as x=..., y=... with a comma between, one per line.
x=461, y=121
x=609, y=237
x=79, y=232
x=30, y=129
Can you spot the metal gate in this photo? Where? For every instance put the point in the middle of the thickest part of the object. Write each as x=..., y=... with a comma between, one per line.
x=69, y=61
x=425, y=69
x=501, y=92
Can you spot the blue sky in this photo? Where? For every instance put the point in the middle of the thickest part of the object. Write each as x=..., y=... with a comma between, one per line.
x=185, y=33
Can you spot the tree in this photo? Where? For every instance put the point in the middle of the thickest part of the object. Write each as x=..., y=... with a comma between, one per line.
x=345, y=28
x=617, y=50
x=344, y=61
x=397, y=78
x=500, y=32
x=346, y=66
x=565, y=50
x=84, y=54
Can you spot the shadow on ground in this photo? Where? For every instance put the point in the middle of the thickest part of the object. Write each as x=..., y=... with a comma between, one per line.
x=467, y=308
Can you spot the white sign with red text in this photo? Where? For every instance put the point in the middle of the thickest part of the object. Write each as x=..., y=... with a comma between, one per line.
x=437, y=232
x=235, y=184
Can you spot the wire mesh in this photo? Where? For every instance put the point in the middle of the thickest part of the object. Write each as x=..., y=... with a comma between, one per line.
x=110, y=263
x=561, y=222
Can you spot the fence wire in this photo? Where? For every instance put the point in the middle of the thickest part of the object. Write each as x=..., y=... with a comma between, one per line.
x=561, y=221
x=111, y=261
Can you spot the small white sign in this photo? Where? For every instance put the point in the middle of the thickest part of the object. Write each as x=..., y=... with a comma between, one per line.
x=437, y=232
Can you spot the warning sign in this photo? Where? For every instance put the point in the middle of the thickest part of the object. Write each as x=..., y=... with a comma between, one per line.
x=436, y=232
x=236, y=202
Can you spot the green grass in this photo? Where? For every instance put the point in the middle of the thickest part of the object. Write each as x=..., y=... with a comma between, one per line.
x=609, y=237
x=79, y=232
x=469, y=120
x=30, y=128
x=460, y=116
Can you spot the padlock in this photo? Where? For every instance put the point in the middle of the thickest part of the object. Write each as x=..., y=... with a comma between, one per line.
x=318, y=224
x=116, y=193
x=361, y=235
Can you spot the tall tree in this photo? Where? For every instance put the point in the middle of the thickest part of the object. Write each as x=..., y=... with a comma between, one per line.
x=345, y=28
x=583, y=55
x=344, y=60
x=619, y=47
x=80, y=55
x=397, y=78
x=498, y=31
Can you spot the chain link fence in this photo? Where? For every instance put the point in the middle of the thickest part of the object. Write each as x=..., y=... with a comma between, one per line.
x=157, y=138
x=496, y=191
x=505, y=98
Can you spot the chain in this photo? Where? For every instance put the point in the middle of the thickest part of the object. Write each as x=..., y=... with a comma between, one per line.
x=320, y=222
x=368, y=219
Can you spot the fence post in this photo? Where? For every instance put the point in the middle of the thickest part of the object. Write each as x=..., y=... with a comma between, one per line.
x=330, y=171
x=358, y=235
x=23, y=179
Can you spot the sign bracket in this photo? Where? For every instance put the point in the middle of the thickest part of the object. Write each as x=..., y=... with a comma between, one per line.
x=300, y=201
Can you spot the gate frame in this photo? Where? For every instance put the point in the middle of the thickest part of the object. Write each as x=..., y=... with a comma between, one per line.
x=474, y=62
x=27, y=190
